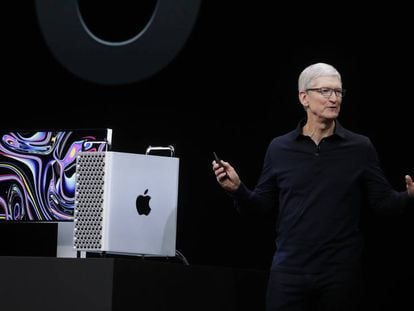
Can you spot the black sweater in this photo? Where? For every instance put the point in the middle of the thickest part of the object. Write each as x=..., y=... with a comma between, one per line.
x=321, y=190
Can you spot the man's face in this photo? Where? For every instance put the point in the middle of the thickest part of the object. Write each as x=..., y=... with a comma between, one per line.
x=323, y=100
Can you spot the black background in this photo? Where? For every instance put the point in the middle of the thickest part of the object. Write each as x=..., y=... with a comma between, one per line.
x=231, y=89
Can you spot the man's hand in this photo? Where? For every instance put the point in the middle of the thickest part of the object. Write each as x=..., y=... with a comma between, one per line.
x=226, y=176
x=410, y=185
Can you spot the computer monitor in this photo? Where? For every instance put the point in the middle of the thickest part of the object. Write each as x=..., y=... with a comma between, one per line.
x=37, y=171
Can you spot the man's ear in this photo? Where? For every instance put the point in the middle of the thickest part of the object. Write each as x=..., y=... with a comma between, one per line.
x=303, y=99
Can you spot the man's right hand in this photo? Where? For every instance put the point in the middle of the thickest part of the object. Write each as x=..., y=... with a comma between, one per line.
x=226, y=176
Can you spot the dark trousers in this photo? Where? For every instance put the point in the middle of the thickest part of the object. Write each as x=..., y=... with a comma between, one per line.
x=334, y=290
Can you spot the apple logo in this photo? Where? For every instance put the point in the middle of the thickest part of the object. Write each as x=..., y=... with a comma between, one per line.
x=142, y=203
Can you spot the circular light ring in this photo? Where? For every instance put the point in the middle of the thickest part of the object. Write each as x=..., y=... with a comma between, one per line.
x=104, y=62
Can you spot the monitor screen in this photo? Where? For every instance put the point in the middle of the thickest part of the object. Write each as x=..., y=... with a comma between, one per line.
x=37, y=171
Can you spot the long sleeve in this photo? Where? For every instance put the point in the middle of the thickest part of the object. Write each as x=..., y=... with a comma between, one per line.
x=379, y=193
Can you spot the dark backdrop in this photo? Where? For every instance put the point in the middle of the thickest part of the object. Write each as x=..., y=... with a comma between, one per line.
x=231, y=89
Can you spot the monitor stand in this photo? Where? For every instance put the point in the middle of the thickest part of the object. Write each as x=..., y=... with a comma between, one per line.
x=65, y=247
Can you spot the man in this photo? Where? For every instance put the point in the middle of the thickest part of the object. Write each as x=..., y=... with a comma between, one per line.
x=322, y=175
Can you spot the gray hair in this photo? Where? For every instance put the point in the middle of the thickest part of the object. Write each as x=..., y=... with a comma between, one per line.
x=315, y=71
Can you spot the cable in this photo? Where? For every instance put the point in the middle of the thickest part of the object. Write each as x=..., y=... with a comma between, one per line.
x=182, y=257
